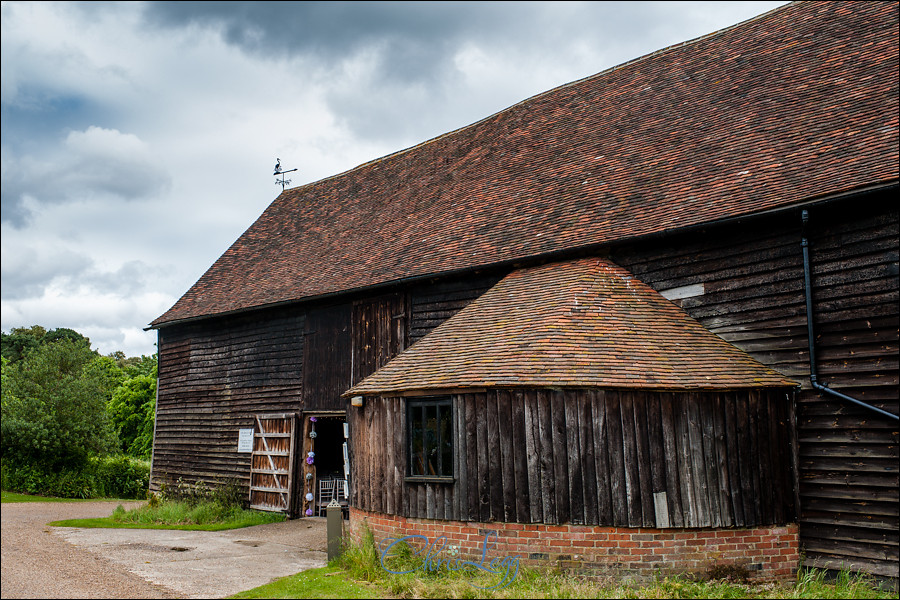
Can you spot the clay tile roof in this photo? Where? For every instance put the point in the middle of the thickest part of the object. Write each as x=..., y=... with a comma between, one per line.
x=584, y=323
x=796, y=104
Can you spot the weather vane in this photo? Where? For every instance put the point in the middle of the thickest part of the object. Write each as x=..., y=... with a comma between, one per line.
x=278, y=171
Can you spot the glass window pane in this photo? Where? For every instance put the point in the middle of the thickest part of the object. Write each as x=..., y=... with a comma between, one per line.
x=430, y=441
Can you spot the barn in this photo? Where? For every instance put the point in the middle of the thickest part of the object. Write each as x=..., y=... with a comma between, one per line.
x=650, y=309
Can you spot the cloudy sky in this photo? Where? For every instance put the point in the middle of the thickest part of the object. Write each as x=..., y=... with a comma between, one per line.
x=138, y=139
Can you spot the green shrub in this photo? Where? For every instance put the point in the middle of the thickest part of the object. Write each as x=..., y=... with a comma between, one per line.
x=101, y=477
x=66, y=483
x=121, y=476
x=54, y=407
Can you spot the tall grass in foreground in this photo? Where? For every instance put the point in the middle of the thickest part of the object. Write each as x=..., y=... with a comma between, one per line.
x=362, y=562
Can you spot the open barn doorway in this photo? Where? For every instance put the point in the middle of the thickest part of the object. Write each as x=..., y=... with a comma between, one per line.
x=324, y=463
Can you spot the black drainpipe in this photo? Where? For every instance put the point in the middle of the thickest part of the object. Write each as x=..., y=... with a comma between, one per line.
x=813, y=378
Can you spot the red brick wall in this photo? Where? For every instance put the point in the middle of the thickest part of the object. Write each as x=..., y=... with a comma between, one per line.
x=768, y=553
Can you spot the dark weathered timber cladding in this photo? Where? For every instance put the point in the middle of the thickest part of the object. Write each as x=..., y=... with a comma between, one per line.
x=754, y=298
x=213, y=377
x=327, y=357
x=379, y=332
x=599, y=459
x=433, y=304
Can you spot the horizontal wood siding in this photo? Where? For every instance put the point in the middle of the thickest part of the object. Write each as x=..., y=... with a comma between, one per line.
x=591, y=457
x=214, y=377
x=433, y=304
x=752, y=276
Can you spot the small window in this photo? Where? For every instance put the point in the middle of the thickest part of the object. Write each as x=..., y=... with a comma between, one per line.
x=430, y=438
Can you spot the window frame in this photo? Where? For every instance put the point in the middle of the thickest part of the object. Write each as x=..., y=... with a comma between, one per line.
x=441, y=403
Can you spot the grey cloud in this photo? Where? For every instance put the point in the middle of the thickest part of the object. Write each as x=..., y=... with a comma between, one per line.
x=92, y=163
x=131, y=279
x=333, y=31
x=408, y=48
x=27, y=271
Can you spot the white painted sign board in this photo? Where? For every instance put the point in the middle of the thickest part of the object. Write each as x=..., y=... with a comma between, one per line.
x=245, y=440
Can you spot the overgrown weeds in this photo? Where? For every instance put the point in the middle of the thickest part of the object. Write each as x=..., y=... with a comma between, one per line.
x=196, y=504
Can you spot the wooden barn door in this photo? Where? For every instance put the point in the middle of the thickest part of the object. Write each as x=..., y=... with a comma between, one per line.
x=380, y=333
x=272, y=463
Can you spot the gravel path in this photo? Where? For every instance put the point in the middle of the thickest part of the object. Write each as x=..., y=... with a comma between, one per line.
x=39, y=561
x=38, y=564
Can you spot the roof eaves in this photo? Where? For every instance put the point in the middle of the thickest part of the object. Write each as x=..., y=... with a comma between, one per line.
x=554, y=256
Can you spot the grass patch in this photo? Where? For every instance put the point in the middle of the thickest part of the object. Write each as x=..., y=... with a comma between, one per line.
x=13, y=497
x=328, y=582
x=199, y=516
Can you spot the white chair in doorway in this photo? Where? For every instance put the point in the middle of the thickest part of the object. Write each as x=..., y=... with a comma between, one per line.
x=327, y=488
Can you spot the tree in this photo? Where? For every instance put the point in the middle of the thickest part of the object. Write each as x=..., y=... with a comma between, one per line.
x=19, y=341
x=64, y=333
x=132, y=411
x=54, y=406
x=22, y=340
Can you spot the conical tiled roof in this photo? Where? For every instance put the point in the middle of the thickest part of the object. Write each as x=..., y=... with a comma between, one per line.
x=584, y=323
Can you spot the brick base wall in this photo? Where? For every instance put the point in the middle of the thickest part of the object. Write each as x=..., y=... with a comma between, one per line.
x=766, y=553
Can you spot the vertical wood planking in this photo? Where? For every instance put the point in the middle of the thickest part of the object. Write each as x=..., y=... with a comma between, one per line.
x=520, y=457
x=765, y=457
x=560, y=458
x=710, y=463
x=461, y=455
x=597, y=457
x=673, y=458
x=484, y=461
x=573, y=458
x=698, y=461
x=547, y=458
x=616, y=453
x=655, y=445
x=473, y=501
x=533, y=452
x=588, y=456
x=506, y=455
x=721, y=456
x=734, y=468
x=495, y=467
x=631, y=460
x=642, y=447
x=605, y=514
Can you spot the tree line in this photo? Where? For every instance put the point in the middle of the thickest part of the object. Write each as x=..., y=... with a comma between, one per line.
x=74, y=422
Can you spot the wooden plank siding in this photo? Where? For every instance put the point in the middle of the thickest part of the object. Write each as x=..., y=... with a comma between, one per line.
x=380, y=332
x=327, y=361
x=564, y=482
x=752, y=277
x=214, y=376
x=432, y=304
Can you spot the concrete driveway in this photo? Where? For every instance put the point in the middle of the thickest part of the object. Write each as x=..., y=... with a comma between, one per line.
x=187, y=564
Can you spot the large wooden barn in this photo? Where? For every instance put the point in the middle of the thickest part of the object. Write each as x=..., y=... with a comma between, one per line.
x=645, y=321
